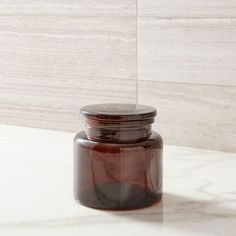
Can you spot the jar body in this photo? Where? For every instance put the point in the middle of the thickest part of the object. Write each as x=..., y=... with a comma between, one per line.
x=117, y=175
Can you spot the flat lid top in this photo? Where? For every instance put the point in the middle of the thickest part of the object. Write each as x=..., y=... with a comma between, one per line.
x=118, y=111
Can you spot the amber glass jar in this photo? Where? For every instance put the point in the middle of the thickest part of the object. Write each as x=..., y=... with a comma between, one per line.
x=118, y=158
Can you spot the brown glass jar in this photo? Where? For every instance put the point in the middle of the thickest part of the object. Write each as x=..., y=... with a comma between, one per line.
x=118, y=158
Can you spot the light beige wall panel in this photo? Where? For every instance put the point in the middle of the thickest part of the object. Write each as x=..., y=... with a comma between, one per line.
x=68, y=7
x=197, y=51
x=200, y=116
x=187, y=8
x=52, y=65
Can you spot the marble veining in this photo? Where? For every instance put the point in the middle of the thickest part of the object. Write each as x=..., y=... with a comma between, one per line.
x=36, y=191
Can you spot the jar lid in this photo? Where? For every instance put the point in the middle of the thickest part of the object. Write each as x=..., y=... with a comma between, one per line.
x=118, y=111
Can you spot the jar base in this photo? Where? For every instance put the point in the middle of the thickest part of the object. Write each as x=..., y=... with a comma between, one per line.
x=118, y=196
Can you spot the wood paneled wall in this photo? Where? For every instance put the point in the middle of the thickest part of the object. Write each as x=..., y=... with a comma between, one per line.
x=56, y=56
x=187, y=69
x=59, y=55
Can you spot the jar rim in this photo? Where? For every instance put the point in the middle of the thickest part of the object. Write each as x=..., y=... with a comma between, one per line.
x=118, y=112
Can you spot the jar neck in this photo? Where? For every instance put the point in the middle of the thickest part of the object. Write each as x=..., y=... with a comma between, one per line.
x=117, y=131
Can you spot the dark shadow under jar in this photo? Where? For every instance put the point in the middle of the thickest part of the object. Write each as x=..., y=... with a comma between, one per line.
x=118, y=158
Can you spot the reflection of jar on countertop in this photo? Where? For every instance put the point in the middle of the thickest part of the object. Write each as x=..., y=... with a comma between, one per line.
x=118, y=158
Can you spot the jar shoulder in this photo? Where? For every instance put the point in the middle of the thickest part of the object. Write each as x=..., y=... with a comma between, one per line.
x=154, y=141
x=156, y=138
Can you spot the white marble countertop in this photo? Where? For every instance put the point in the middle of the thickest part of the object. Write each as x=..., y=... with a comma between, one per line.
x=36, y=191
